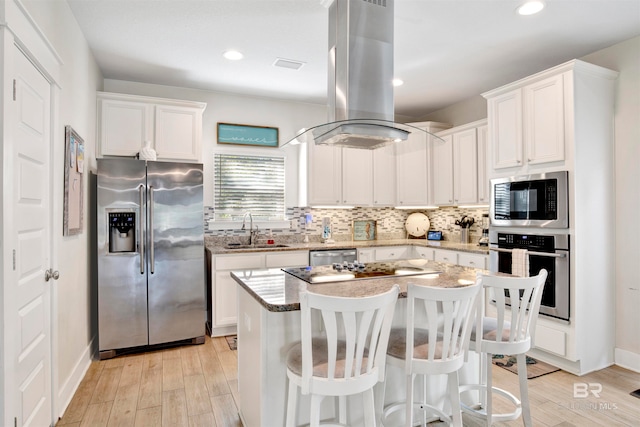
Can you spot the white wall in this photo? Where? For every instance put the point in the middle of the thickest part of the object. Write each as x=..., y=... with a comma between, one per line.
x=289, y=117
x=463, y=112
x=80, y=79
x=625, y=58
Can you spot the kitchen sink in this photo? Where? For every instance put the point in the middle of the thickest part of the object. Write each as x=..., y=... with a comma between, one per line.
x=232, y=246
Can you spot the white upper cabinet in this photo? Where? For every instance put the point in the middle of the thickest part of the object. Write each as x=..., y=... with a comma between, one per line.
x=335, y=176
x=544, y=120
x=412, y=165
x=357, y=177
x=465, y=167
x=527, y=124
x=484, y=186
x=173, y=127
x=455, y=165
x=324, y=175
x=384, y=176
x=442, y=170
x=505, y=118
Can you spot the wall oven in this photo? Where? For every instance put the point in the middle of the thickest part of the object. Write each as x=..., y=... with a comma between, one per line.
x=548, y=251
x=539, y=200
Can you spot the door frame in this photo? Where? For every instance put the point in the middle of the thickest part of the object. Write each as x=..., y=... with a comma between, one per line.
x=18, y=28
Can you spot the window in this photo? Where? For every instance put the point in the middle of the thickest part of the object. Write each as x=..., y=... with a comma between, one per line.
x=248, y=184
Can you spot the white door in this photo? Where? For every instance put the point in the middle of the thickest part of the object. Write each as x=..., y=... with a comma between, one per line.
x=28, y=316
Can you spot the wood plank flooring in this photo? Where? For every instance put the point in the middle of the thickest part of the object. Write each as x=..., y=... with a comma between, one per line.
x=196, y=385
x=188, y=386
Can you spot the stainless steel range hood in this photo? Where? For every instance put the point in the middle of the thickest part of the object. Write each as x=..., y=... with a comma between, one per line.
x=360, y=90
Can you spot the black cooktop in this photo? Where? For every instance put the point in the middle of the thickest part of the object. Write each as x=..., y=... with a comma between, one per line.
x=357, y=271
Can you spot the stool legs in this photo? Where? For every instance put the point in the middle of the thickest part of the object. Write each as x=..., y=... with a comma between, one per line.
x=454, y=398
x=489, y=396
x=316, y=400
x=292, y=404
x=524, y=390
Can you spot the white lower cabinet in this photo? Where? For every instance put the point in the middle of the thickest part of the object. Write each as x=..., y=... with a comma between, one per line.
x=446, y=256
x=391, y=253
x=467, y=259
x=424, y=253
x=366, y=255
x=224, y=316
x=551, y=339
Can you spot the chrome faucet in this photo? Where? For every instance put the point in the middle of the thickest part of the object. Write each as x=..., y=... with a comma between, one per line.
x=244, y=220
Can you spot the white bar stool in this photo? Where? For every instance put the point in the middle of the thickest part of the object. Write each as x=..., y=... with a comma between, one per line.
x=438, y=327
x=499, y=337
x=348, y=359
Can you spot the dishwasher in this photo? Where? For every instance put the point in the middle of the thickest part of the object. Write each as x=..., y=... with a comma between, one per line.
x=330, y=256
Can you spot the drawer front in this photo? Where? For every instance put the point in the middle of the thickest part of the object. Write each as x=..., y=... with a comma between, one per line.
x=449, y=257
x=239, y=262
x=366, y=255
x=472, y=260
x=287, y=259
x=425, y=253
x=391, y=253
x=551, y=340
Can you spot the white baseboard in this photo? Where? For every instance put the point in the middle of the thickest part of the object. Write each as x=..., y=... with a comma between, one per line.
x=627, y=359
x=72, y=383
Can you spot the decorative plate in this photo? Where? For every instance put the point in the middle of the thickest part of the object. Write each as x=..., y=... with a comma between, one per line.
x=417, y=224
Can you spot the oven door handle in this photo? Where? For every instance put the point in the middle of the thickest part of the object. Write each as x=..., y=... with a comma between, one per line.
x=549, y=254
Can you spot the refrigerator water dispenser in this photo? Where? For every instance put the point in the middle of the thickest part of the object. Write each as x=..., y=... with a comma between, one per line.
x=122, y=232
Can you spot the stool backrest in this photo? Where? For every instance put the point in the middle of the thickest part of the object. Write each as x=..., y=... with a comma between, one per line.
x=447, y=314
x=357, y=335
x=525, y=294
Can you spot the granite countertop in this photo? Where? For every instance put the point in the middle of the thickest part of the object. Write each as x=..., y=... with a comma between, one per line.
x=278, y=291
x=442, y=244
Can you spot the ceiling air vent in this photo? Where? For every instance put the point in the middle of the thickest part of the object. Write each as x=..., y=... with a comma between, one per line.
x=288, y=63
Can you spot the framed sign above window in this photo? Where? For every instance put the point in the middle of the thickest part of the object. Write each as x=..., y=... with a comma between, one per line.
x=260, y=136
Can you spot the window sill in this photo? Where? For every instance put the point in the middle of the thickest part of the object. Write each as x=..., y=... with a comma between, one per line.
x=262, y=225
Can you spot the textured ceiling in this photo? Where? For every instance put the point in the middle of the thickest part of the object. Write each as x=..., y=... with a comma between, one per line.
x=445, y=50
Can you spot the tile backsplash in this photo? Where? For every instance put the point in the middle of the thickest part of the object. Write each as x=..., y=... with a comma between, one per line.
x=390, y=222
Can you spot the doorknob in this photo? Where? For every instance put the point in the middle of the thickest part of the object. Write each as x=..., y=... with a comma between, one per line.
x=50, y=274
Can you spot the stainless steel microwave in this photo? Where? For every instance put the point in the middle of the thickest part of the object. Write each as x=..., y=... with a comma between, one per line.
x=539, y=200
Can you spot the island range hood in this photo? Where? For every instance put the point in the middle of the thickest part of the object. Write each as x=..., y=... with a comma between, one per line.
x=360, y=90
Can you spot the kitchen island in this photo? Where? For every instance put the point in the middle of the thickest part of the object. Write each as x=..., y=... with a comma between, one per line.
x=269, y=324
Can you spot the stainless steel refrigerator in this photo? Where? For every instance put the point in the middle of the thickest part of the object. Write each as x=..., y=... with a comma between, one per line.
x=151, y=278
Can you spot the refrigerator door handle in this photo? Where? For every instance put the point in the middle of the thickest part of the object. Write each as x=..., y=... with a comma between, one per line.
x=140, y=230
x=151, y=241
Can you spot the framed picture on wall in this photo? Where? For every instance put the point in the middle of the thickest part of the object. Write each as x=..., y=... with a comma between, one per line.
x=260, y=136
x=364, y=230
x=73, y=183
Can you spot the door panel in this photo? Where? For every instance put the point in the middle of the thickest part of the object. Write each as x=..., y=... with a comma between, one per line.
x=122, y=287
x=175, y=252
x=28, y=295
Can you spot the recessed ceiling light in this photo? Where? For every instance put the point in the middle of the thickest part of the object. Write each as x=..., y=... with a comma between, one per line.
x=397, y=82
x=233, y=55
x=531, y=7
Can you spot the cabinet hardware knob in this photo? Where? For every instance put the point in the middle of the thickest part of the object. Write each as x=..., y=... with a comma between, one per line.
x=518, y=161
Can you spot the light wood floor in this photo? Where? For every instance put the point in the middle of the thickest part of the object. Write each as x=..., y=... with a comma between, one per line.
x=196, y=386
x=190, y=386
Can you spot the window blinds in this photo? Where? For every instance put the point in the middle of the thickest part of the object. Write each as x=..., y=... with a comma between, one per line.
x=249, y=183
